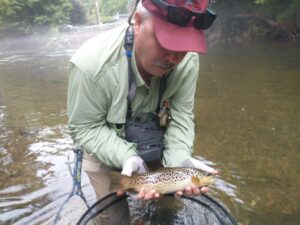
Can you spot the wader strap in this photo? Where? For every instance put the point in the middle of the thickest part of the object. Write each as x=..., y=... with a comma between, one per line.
x=132, y=85
x=128, y=44
x=162, y=88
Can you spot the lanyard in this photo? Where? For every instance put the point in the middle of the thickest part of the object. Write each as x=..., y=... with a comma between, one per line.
x=128, y=45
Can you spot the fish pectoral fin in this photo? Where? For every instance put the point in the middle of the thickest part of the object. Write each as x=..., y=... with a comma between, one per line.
x=195, y=180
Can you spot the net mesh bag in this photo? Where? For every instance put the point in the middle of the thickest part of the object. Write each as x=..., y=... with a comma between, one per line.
x=167, y=210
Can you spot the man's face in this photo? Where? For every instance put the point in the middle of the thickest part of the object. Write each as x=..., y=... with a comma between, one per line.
x=151, y=58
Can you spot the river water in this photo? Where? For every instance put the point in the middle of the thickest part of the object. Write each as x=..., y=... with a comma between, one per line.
x=247, y=123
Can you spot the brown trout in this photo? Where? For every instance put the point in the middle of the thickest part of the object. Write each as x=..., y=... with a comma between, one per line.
x=167, y=180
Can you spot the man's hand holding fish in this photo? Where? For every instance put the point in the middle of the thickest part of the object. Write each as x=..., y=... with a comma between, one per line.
x=192, y=178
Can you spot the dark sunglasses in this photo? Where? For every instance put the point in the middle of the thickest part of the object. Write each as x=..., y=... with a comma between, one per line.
x=182, y=17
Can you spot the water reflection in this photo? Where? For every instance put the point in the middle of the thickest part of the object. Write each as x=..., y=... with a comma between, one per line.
x=247, y=123
x=33, y=135
x=248, y=108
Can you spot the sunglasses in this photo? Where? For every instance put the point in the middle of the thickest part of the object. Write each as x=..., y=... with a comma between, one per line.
x=182, y=17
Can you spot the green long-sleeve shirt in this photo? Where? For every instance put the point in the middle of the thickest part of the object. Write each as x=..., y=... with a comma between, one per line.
x=97, y=101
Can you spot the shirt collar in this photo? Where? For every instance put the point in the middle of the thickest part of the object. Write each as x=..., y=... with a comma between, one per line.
x=138, y=77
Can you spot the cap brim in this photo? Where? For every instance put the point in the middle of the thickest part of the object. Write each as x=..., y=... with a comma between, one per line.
x=179, y=39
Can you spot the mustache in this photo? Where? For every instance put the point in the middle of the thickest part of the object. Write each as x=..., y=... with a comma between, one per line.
x=164, y=64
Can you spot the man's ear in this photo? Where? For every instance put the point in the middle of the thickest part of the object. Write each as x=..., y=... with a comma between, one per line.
x=137, y=23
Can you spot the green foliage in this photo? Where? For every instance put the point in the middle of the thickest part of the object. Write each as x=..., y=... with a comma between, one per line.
x=289, y=12
x=107, y=9
x=242, y=19
x=35, y=12
x=78, y=14
x=111, y=7
x=235, y=17
x=282, y=12
x=279, y=10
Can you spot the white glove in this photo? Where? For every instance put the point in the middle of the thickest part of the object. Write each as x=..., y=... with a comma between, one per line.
x=195, y=163
x=134, y=164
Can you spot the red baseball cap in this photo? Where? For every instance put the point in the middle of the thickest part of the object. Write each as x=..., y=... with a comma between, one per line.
x=174, y=37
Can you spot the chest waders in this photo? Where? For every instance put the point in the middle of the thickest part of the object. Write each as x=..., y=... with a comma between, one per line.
x=145, y=128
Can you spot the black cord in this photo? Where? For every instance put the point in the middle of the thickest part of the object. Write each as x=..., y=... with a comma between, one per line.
x=207, y=207
x=233, y=221
x=95, y=213
x=133, y=11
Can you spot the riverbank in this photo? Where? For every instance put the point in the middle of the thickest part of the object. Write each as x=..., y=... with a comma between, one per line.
x=70, y=38
x=240, y=27
x=229, y=27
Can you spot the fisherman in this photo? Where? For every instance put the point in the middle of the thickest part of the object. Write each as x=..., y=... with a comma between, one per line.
x=132, y=80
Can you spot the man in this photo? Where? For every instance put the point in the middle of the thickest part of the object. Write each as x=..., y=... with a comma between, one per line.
x=165, y=35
